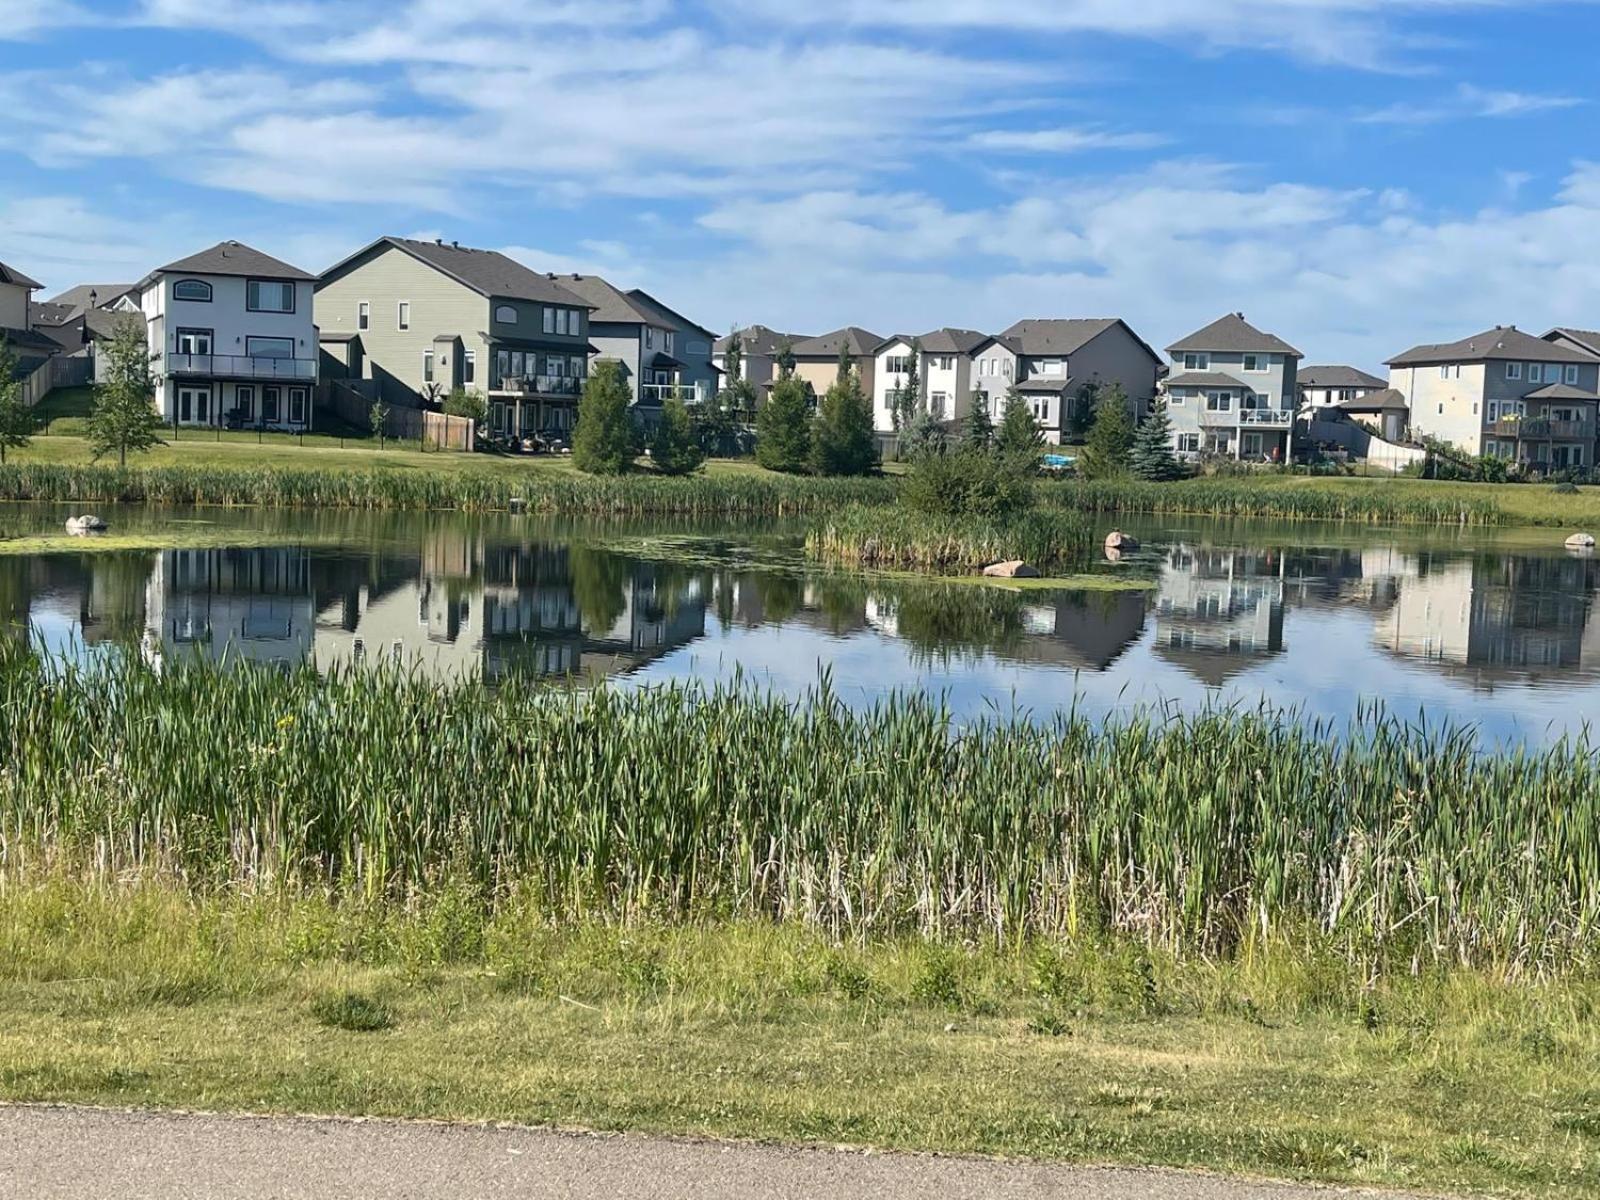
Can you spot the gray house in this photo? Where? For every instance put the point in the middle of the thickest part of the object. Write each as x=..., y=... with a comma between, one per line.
x=660, y=351
x=1050, y=361
x=759, y=347
x=409, y=318
x=1233, y=392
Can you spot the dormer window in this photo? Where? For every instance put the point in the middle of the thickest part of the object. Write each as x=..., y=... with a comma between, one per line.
x=197, y=290
x=506, y=314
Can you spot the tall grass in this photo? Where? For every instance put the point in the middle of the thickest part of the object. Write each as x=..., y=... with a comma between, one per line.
x=1394, y=845
x=422, y=489
x=899, y=538
x=1378, y=503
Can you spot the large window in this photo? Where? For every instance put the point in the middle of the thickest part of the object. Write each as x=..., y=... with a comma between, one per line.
x=269, y=347
x=895, y=364
x=1219, y=401
x=197, y=290
x=271, y=399
x=506, y=314
x=194, y=341
x=1513, y=370
x=1049, y=366
x=269, y=295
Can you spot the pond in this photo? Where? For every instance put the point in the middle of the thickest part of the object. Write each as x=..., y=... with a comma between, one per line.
x=1496, y=629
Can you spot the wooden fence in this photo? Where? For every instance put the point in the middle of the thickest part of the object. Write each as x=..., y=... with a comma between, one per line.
x=351, y=401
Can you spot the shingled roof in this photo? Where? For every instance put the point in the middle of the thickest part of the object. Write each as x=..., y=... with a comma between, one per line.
x=77, y=298
x=862, y=343
x=942, y=341
x=1041, y=337
x=15, y=277
x=760, y=340
x=1232, y=334
x=1503, y=342
x=234, y=258
x=1337, y=377
x=487, y=272
x=1589, y=339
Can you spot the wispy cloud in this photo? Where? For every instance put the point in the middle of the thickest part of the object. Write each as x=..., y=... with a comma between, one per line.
x=1469, y=103
x=1062, y=140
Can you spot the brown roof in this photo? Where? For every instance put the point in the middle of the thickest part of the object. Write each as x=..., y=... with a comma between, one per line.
x=760, y=340
x=1589, y=339
x=487, y=272
x=1561, y=391
x=861, y=342
x=1337, y=377
x=13, y=276
x=1501, y=342
x=940, y=341
x=1388, y=400
x=1216, y=379
x=1232, y=334
x=234, y=258
x=1064, y=336
x=77, y=298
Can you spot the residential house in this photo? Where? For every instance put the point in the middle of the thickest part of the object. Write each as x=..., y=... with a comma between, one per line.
x=434, y=317
x=16, y=299
x=1325, y=386
x=83, y=318
x=1505, y=393
x=231, y=338
x=31, y=346
x=759, y=348
x=660, y=352
x=945, y=373
x=1232, y=392
x=114, y=297
x=1050, y=362
x=816, y=360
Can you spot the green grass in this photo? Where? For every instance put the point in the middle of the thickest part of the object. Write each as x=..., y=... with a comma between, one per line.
x=1283, y=1063
x=898, y=539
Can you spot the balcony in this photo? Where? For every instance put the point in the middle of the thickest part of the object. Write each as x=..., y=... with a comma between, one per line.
x=242, y=366
x=660, y=393
x=539, y=385
x=1271, y=418
x=1542, y=429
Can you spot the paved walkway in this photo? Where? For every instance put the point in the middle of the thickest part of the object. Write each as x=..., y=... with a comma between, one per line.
x=49, y=1153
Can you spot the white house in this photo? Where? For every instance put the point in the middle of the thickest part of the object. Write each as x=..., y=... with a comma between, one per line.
x=944, y=373
x=1323, y=386
x=232, y=339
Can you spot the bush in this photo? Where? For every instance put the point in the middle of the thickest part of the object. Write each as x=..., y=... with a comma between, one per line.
x=783, y=428
x=462, y=403
x=603, y=443
x=675, y=449
x=970, y=483
x=356, y=1012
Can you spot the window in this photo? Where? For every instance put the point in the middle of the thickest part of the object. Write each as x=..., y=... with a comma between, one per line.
x=577, y=365
x=1219, y=401
x=194, y=341
x=1177, y=400
x=895, y=364
x=1572, y=373
x=244, y=402
x=1196, y=362
x=1444, y=372
x=1189, y=443
x=1049, y=366
x=1513, y=370
x=269, y=295
x=270, y=397
x=469, y=366
x=1257, y=362
x=668, y=337
x=269, y=347
x=427, y=366
x=1535, y=373
x=649, y=337
x=1494, y=410
x=549, y=320
x=197, y=290
x=402, y=315
x=297, y=406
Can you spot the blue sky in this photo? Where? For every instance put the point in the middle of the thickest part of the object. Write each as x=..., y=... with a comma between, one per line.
x=1355, y=175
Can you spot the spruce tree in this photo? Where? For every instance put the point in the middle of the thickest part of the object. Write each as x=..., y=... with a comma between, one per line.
x=124, y=417
x=1083, y=406
x=1152, y=456
x=910, y=397
x=1110, y=437
x=602, y=444
x=979, y=428
x=1019, y=432
x=675, y=449
x=924, y=435
x=783, y=427
x=842, y=439
x=17, y=421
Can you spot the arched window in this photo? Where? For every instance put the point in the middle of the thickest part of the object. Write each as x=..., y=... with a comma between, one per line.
x=192, y=289
x=506, y=314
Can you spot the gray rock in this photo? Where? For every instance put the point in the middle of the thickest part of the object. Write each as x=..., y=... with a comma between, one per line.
x=1581, y=541
x=1014, y=569
x=84, y=525
x=1117, y=540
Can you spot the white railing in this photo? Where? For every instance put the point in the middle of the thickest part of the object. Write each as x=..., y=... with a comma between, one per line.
x=243, y=366
x=1277, y=417
x=660, y=393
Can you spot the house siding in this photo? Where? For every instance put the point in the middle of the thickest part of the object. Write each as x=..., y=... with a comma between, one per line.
x=13, y=306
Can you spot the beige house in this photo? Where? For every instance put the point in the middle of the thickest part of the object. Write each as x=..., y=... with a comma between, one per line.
x=412, y=318
x=1507, y=394
x=816, y=360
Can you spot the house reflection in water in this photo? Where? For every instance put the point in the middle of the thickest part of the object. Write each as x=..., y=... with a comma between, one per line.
x=1219, y=611
x=250, y=604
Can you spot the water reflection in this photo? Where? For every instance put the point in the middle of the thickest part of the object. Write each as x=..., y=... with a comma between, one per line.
x=1324, y=628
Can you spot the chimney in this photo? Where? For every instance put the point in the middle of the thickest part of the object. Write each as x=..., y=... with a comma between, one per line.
x=438, y=241
x=455, y=245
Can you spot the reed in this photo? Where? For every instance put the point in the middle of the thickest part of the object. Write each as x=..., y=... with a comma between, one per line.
x=1396, y=846
x=466, y=490
x=1378, y=503
x=901, y=539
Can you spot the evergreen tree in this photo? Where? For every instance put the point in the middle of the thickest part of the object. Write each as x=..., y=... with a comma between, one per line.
x=1152, y=456
x=16, y=418
x=1083, y=406
x=783, y=427
x=842, y=439
x=675, y=449
x=785, y=359
x=979, y=427
x=1019, y=432
x=124, y=417
x=1110, y=439
x=603, y=442
x=911, y=394
x=923, y=436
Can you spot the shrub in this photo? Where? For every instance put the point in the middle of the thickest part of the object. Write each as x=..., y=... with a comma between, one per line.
x=969, y=482
x=462, y=403
x=603, y=443
x=675, y=449
x=783, y=428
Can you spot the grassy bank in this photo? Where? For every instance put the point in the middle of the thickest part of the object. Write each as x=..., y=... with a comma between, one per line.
x=899, y=539
x=1281, y=1063
x=1375, y=502
x=1197, y=834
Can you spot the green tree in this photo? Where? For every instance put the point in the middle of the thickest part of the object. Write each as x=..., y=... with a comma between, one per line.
x=1152, y=456
x=785, y=359
x=922, y=436
x=842, y=439
x=17, y=421
x=1082, y=414
x=603, y=443
x=979, y=427
x=910, y=396
x=378, y=417
x=783, y=427
x=1110, y=443
x=124, y=417
x=675, y=449
x=1019, y=432
x=464, y=403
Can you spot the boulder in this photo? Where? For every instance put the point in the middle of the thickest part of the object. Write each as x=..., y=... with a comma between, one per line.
x=1117, y=540
x=84, y=525
x=1581, y=541
x=1014, y=569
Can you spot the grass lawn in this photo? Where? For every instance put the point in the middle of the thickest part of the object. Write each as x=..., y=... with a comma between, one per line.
x=756, y=1032
x=1527, y=503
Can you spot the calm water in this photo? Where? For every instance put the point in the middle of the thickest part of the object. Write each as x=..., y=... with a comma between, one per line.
x=1497, y=630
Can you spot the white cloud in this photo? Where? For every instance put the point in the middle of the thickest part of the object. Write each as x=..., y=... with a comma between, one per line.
x=1469, y=102
x=1064, y=140
x=24, y=19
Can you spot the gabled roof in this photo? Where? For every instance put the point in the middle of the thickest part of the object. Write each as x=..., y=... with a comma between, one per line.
x=16, y=278
x=1042, y=385
x=1337, y=377
x=611, y=305
x=1492, y=345
x=1589, y=339
x=940, y=341
x=862, y=343
x=1216, y=379
x=760, y=340
x=233, y=258
x=665, y=316
x=77, y=298
x=1232, y=334
x=1561, y=391
x=1388, y=400
x=487, y=272
x=44, y=312
x=1065, y=336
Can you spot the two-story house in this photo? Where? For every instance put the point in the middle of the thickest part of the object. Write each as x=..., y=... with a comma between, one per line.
x=759, y=348
x=816, y=360
x=660, y=352
x=1049, y=362
x=231, y=338
x=18, y=325
x=1505, y=393
x=438, y=316
x=1325, y=386
x=1233, y=392
x=944, y=374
